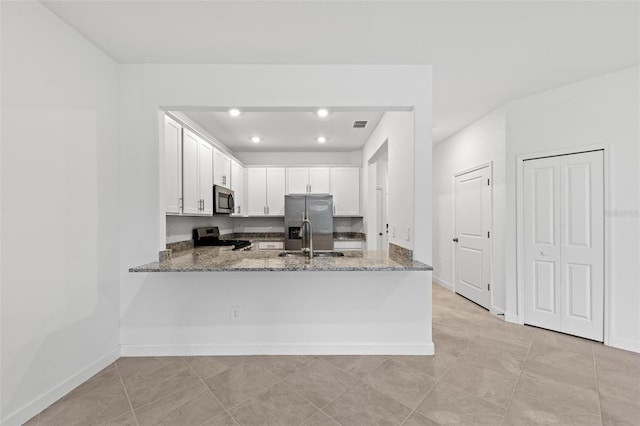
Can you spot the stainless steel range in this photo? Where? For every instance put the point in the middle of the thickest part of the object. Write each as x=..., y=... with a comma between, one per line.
x=210, y=236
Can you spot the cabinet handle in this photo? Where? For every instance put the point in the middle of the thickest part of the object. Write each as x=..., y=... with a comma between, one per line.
x=309, y=187
x=239, y=209
x=267, y=209
x=180, y=203
x=334, y=209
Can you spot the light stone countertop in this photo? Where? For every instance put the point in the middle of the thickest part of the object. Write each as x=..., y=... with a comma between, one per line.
x=223, y=259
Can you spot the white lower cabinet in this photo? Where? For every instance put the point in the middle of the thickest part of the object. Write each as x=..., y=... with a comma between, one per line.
x=265, y=191
x=347, y=245
x=270, y=245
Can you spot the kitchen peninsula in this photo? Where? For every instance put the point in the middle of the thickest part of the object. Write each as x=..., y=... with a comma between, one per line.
x=224, y=259
x=217, y=301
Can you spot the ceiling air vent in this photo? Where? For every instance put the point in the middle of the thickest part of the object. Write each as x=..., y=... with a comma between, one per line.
x=360, y=124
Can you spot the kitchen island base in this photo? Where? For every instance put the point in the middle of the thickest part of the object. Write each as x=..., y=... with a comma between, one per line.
x=283, y=313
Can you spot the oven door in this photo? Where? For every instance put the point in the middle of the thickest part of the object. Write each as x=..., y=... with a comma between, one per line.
x=223, y=198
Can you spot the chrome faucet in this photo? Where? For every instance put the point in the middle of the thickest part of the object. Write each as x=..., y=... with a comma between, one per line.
x=307, y=228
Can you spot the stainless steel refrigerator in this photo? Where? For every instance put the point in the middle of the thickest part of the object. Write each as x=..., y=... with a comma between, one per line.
x=320, y=212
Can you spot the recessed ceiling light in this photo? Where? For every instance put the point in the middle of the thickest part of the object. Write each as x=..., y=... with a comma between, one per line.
x=322, y=112
x=321, y=139
x=234, y=112
x=255, y=139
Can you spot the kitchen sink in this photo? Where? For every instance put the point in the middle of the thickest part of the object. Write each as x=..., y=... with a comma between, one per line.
x=316, y=254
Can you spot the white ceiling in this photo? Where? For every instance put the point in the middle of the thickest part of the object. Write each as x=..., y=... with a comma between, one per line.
x=288, y=130
x=483, y=53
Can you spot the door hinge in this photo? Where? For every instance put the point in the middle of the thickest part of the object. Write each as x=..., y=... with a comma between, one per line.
x=488, y=182
x=488, y=234
x=488, y=286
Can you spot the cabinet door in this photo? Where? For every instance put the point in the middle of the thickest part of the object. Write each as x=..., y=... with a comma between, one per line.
x=297, y=180
x=319, y=180
x=275, y=191
x=345, y=182
x=190, y=191
x=237, y=186
x=221, y=169
x=256, y=191
x=205, y=177
x=173, y=166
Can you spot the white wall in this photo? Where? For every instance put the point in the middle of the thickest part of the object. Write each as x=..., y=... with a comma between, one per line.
x=150, y=311
x=602, y=110
x=301, y=158
x=60, y=204
x=481, y=142
x=396, y=128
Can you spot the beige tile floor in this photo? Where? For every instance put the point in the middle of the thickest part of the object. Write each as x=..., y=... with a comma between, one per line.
x=485, y=371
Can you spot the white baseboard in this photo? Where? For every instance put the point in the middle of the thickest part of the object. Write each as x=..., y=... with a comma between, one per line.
x=278, y=349
x=49, y=397
x=508, y=317
x=627, y=345
x=442, y=283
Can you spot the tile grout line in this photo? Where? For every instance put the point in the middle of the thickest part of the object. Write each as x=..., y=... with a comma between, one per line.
x=438, y=380
x=135, y=417
x=504, y=419
x=595, y=371
x=282, y=380
x=211, y=392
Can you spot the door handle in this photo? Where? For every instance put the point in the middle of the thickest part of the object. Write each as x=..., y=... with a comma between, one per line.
x=455, y=240
x=543, y=253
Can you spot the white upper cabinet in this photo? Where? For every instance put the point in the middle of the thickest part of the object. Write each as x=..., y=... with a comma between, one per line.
x=256, y=191
x=237, y=186
x=297, y=180
x=205, y=173
x=275, y=191
x=265, y=191
x=197, y=172
x=221, y=168
x=319, y=180
x=173, y=165
x=304, y=180
x=190, y=179
x=345, y=187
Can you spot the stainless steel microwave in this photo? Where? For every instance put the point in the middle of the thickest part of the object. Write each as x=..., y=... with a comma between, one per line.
x=223, y=200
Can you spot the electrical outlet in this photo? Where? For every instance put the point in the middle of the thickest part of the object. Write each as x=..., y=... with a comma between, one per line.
x=234, y=313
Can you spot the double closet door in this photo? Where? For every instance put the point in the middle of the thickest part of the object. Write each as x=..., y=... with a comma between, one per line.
x=563, y=258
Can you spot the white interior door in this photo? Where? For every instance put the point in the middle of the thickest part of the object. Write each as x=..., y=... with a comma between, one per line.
x=563, y=240
x=472, y=234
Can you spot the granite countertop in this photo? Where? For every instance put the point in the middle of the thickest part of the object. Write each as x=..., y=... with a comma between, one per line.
x=220, y=259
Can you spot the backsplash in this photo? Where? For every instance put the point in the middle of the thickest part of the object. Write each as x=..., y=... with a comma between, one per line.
x=179, y=228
